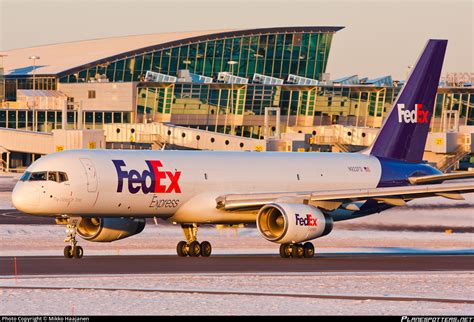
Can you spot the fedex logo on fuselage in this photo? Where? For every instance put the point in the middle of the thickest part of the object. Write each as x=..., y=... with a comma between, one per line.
x=418, y=115
x=309, y=220
x=159, y=181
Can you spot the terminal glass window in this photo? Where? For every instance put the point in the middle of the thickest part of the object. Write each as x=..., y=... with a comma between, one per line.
x=107, y=117
x=3, y=118
x=11, y=119
x=117, y=117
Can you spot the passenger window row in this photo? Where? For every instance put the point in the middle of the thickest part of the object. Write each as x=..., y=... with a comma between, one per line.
x=56, y=176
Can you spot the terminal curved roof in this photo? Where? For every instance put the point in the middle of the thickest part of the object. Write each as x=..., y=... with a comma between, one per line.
x=58, y=58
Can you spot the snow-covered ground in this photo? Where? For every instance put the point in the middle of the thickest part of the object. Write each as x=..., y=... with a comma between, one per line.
x=88, y=301
x=8, y=180
x=6, y=200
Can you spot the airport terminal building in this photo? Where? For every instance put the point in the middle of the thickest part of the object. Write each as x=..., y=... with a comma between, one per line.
x=227, y=85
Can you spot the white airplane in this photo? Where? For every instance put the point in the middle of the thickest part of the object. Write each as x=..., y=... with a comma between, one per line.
x=105, y=195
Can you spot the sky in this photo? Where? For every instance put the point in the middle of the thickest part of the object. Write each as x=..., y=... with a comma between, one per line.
x=380, y=37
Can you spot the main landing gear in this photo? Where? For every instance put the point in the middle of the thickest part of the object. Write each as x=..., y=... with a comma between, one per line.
x=192, y=247
x=72, y=250
x=297, y=250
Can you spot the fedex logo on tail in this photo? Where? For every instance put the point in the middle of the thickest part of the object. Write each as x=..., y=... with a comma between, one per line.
x=309, y=220
x=159, y=181
x=418, y=115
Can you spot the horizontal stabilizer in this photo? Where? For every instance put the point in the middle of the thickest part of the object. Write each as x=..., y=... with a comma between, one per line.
x=437, y=178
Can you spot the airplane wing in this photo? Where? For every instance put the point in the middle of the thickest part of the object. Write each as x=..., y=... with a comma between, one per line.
x=333, y=199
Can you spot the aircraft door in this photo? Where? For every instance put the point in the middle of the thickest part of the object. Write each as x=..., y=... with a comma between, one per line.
x=91, y=175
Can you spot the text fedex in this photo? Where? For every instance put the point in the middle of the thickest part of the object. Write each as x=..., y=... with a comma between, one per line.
x=418, y=115
x=309, y=220
x=159, y=181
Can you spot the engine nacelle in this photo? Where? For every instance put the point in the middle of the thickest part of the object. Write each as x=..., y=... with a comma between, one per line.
x=109, y=229
x=292, y=223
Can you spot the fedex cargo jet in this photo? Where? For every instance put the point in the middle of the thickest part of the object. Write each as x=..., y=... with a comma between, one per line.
x=106, y=195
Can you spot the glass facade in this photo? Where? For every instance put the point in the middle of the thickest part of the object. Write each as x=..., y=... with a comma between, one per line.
x=272, y=54
x=13, y=84
x=205, y=105
x=48, y=120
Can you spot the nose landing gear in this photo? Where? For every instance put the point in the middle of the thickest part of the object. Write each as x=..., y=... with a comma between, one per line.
x=72, y=250
x=192, y=247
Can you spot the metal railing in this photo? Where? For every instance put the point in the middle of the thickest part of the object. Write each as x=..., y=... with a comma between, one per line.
x=330, y=139
x=3, y=165
x=451, y=159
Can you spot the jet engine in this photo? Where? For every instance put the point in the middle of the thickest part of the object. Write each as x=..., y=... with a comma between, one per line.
x=292, y=223
x=109, y=229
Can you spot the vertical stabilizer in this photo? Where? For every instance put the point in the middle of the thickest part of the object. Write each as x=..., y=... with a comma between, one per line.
x=404, y=132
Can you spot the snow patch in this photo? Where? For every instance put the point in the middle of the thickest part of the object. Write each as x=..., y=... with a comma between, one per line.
x=123, y=302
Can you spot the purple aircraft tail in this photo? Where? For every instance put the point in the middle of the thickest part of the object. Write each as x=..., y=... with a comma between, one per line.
x=404, y=132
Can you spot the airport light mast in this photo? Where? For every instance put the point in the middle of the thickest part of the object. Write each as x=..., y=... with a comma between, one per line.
x=232, y=126
x=34, y=58
x=2, y=81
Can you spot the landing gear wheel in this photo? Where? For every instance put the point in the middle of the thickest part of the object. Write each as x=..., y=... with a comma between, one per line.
x=72, y=250
x=78, y=252
x=182, y=249
x=297, y=251
x=194, y=249
x=206, y=249
x=68, y=252
x=285, y=251
x=308, y=250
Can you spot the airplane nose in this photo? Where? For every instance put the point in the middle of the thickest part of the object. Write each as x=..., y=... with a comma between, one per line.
x=25, y=197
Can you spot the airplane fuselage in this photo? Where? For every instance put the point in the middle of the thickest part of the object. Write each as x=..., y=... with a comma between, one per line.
x=118, y=183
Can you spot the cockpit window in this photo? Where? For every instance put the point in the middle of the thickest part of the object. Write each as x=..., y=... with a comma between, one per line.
x=43, y=176
x=62, y=176
x=38, y=176
x=25, y=176
x=52, y=176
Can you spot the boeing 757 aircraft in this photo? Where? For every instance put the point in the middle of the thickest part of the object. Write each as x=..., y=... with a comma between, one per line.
x=105, y=195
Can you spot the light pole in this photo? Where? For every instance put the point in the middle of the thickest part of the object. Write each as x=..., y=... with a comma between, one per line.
x=34, y=69
x=34, y=58
x=232, y=126
x=2, y=83
x=1, y=56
